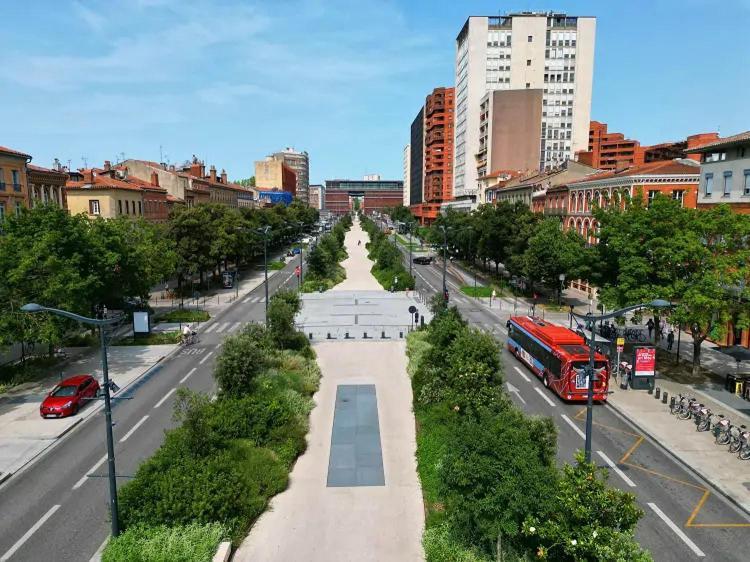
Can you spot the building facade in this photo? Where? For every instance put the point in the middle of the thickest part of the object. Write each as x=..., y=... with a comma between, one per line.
x=531, y=189
x=275, y=174
x=315, y=196
x=547, y=51
x=407, y=174
x=46, y=185
x=431, y=156
x=725, y=173
x=14, y=189
x=372, y=195
x=510, y=128
x=611, y=151
x=299, y=162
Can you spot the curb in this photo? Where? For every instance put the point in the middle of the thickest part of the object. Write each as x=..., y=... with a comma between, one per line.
x=697, y=472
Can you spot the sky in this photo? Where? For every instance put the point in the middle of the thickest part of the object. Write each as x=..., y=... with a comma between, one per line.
x=232, y=81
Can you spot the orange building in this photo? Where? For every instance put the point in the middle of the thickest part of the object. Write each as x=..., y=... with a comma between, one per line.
x=437, y=176
x=612, y=151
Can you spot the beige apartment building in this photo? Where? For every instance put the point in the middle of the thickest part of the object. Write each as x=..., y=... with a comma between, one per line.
x=273, y=173
x=14, y=190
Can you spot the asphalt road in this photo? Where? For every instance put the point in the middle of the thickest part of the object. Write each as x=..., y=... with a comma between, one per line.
x=685, y=518
x=51, y=510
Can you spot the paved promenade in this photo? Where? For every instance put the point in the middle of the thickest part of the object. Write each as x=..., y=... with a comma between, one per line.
x=354, y=495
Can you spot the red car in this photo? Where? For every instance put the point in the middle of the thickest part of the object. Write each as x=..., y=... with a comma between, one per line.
x=69, y=396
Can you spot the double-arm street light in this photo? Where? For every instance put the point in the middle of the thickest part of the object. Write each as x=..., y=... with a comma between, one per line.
x=264, y=231
x=591, y=320
x=33, y=307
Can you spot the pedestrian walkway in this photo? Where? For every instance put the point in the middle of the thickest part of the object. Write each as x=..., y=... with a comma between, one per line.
x=697, y=450
x=357, y=264
x=354, y=495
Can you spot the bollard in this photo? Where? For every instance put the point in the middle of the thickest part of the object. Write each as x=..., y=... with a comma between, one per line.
x=329, y=335
x=657, y=393
x=664, y=398
x=365, y=336
x=401, y=335
x=310, y=335
x=346, y=336
x=672, y=402
x=382, y=335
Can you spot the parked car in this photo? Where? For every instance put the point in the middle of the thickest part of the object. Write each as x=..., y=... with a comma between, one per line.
x=423, y=260
x=296, y=251
x=69, y=396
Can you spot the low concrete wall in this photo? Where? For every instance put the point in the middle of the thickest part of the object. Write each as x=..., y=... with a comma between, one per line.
x=223, y=552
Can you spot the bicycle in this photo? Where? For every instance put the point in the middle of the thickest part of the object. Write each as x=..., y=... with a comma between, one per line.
x=735, y=438
x=676, y=405
x=703, y=419
x=188, y=339
x=722, y=430
x=744, y=452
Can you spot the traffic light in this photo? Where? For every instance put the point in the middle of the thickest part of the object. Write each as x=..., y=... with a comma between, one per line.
x=416, y=317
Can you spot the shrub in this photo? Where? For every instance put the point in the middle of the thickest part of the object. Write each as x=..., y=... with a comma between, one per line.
x=241, y=360
x=441, y=546
x=496, y=471
x=281, y=328
x=186, y=315
x=194, y=542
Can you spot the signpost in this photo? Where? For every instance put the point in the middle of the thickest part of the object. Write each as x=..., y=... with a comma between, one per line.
x=412, y=314
x=620, y=347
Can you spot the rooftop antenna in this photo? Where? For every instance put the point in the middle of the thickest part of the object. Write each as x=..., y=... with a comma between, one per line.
x=69, y=164
x=85, y=161
x=122, y=157
x=161, y=155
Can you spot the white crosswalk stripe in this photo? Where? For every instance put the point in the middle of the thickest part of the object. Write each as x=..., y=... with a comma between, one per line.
x=223, y=327
x=211, y=328
x=246, y=300
x=234, y=327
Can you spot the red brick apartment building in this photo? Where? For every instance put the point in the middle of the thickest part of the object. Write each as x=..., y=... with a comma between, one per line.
x=611, y=151
x=436, y=179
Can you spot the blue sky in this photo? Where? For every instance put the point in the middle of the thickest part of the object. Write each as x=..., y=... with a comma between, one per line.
x=233, y=81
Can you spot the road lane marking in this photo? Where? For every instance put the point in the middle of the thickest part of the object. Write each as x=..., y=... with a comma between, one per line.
x=97, y=557
x=164, y=398
x=132, y=429
x=211, y=328
x=183, y=379
x=205, y=358
x=11, y=551
x=677, y=530
x=246, y=300
x=572, y=424
x=614, y=467
x=224, y=326
x=85, y=477
x=523, y=375
x=513, y=390
x=543, y=395
x=234, y=327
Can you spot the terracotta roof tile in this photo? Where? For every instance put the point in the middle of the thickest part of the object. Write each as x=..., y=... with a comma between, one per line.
x=14, y=152
x=650, y=169
x=740, y=138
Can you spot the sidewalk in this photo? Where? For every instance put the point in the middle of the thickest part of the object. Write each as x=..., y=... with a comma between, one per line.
x=697, y=450
x=24, y=434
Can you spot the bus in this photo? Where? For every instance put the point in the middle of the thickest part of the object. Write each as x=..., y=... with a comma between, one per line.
x=558, y=356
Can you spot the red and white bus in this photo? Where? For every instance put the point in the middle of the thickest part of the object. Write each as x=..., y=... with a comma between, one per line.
x=558, y=356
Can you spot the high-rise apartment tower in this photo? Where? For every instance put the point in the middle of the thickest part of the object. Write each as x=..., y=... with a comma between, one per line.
x=548, y=51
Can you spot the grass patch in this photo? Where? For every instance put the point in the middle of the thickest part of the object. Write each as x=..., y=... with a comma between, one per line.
x=81, y=339
x=472, y=291
x=313, y=284
x=554, y=307
x=185, y=315
x=276, y=265
x=186, y=543
x=154, y=338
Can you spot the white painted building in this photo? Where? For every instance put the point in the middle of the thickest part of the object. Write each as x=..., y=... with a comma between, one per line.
x=407, y=173
x=725, y=172
x=548, y=51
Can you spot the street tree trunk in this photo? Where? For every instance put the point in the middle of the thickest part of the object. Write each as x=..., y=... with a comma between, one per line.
x=697, y=341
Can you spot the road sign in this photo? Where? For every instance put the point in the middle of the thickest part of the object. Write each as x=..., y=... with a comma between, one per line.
x=620, y=348
x=620, y=342
x=412, y=309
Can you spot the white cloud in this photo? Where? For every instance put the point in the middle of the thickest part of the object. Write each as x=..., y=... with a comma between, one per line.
x=94, y=20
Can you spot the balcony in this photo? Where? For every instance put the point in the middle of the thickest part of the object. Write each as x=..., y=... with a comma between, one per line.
x=17, y=187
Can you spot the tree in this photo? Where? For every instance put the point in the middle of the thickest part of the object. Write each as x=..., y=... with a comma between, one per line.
x=190, y=229
x=587, y=521
x=242, y=359
x=247, y=182
x=550, y=253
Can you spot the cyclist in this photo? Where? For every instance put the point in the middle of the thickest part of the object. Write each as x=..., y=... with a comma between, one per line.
x=187, y=334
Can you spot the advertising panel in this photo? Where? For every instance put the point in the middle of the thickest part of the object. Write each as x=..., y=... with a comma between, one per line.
x=645, y=362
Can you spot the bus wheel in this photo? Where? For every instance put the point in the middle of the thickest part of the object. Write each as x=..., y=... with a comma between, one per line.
x=545, y=380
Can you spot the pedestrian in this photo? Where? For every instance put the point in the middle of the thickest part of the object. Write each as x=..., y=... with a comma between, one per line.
x=662, y=327
x=104, y=311
x=670, y=340
x=650, y=326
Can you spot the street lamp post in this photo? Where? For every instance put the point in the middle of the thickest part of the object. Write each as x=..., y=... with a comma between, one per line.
x=264, y=231
x=33, y=307
x=445, y=261
x=591, y=321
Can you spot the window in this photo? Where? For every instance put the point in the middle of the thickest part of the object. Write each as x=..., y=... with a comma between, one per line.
x=727, y=183
x=140, y=209
x=531, y=38
x=747, y=182
x=2, y=211
x=94, y=207
x=2, y=182
x=16, y=180
x=19, y=206
x=679, y=195
x=119, y=206
x=651, y=196
x=528, y=85
x=709, y=187
x=127, y=207
x=528, y=62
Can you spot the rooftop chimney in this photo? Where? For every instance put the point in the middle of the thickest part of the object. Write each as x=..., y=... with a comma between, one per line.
x=154, y=179
x=223, y=176
x=107, y=165
x=213, y=173
x=622, y=165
